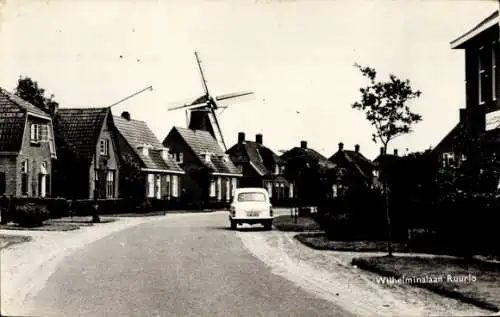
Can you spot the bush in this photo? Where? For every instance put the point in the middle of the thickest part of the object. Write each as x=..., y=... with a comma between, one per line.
x=30, y=215
x=57, y=207
x=144, y=207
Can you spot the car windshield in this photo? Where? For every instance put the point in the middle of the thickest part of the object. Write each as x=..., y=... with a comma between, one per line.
x=251, y=197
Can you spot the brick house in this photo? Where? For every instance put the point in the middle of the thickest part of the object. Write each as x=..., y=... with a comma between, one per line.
x=261, y=167
x=358, y=167
x=481, y=116
x=210, y=175
x=88, y=166
x=305, y=154
x=161, y=171
x=27, y=148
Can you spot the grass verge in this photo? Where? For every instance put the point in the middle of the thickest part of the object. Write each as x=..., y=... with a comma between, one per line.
x=45, y=227
x=7, y=240
x=319, y=241
x=471, y=281
x=299, y=224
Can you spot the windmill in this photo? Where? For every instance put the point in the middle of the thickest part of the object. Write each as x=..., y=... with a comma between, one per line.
x=202, y=109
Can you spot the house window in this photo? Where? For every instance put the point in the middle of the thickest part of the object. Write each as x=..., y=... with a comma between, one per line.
x=481, y=75
x=494, y=71
x=168, y=187
x=276, y=169
x=104, y=147
x=175, y=186
x=212, y=188
x=219, y=188
x=151, y=185
x=181, y=157
x=228, y=188
x=110, y=184
x=234, y=185
x=39, y=133
x=269, y=189
x=290, y=194
x=158, y=186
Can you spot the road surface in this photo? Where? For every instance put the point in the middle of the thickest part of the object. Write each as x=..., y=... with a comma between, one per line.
x=182, y=265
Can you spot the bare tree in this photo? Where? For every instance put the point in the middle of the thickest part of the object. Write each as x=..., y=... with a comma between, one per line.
x=385, y=104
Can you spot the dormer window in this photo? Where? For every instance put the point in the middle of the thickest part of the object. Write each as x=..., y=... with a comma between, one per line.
x=164, y=154
x=180, y=157
x=276, y=169
x=144, y=148
x=207, y=157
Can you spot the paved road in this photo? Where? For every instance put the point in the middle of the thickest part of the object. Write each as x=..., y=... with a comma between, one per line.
x=182, y=265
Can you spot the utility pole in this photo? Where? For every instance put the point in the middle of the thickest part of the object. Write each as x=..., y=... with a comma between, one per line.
x=132, y=95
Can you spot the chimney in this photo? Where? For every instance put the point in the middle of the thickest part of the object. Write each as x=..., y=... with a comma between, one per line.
x=356, y=148
x=258, y=138
x=126, y=115
x=382, y=152
x=303, y=144
x=341, y=146
x=241, y=137
x=395, y=152
x=53, y=107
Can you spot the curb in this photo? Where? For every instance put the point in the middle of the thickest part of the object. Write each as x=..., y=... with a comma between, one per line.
x=363, y=264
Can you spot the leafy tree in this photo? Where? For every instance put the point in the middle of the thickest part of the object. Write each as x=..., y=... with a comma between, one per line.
x=29, y=90
x=385, y=104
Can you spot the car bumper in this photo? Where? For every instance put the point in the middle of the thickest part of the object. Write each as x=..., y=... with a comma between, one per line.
x=250, y=220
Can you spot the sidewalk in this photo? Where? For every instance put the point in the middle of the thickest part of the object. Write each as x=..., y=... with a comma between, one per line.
x=330, y=275
x=26, y=267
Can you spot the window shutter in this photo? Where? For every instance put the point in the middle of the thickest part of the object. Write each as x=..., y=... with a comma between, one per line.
x=44, y=133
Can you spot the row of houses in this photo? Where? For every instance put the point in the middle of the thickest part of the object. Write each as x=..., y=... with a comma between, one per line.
x=89, y=153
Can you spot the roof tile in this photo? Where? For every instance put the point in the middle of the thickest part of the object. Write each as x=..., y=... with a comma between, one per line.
x=202, y=141
x=80, y=128
x=137, y=133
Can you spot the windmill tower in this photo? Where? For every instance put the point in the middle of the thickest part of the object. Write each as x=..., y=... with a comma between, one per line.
x=203, y=109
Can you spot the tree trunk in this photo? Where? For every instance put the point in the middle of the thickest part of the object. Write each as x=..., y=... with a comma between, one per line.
x=387, y=214
x=388, y=219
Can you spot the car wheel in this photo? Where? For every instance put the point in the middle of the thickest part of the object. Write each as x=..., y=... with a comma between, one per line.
x=233, y=225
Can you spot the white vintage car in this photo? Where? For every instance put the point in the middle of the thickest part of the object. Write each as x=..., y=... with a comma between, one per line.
x=251, y=206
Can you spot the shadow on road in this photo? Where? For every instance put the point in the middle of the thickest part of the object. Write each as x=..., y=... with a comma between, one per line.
x=243, y=229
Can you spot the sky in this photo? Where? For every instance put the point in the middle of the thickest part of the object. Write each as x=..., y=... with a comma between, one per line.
x=297, y=56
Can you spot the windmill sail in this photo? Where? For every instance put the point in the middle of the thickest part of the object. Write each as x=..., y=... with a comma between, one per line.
x=202, y=109
x=217, y=131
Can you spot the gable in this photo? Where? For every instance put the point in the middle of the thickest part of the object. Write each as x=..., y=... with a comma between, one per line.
x=199, y=141
x=80, y=128
x=12, y=121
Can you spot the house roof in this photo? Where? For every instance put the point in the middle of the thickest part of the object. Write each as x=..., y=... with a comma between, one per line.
x=261, y=158
x=305, y=152
x=488, y=22
x=448, y=141
x=13, y=112
x=201, y=141
x=357, y=160
x=80, y=128
x=137, y=133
